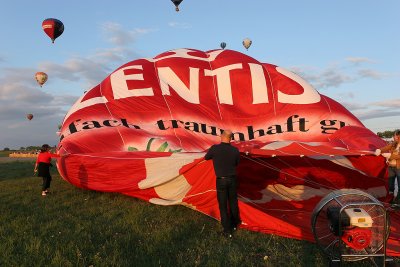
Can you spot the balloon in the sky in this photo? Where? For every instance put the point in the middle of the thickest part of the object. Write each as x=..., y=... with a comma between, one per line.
x=41, y=78
x=223, y=45
x=247, y=43
x=53, y=28
x=176, y=3
x=143, y=131
x=29, y=116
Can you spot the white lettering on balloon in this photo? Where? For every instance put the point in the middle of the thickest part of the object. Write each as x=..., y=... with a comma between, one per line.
x=224, y=82
x=120, y=87
x=260, y=92
x=79, y=104
x=309, y=95
x=184, y=53
x=168, y=80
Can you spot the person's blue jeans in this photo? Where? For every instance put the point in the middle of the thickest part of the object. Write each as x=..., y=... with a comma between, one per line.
x=228, y=203
x=394, y=174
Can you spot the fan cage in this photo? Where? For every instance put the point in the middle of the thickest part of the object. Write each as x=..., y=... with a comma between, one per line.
x=333, y=246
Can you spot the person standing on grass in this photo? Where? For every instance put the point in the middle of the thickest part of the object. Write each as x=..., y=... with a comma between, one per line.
x=43, y=164
x=225, y=158
x=392, y=154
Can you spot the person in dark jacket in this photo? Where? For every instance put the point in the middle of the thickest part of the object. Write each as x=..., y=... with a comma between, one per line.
x=42, y=166
x=225, y=158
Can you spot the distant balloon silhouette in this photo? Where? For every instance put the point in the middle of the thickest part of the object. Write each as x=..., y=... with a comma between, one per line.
x=247, y=43
x=53, y=28
x=29, y=116
x=223, y=45
x=41, y=78
x=176, y=3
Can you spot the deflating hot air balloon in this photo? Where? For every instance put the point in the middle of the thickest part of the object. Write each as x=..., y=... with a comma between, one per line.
x=176, y=3
x=53, y=28
x=247, y=43
x=41, y=78
x=29, y=116
x=144, y=130
x=223, y=45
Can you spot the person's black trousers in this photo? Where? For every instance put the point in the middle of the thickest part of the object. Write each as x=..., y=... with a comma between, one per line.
x=228, y=203
x=44, y=172
x=46, y=182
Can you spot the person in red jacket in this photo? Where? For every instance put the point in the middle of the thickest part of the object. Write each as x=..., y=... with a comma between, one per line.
x=43, y=164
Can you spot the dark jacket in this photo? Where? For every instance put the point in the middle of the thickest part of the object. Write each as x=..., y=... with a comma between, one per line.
x=225, y=158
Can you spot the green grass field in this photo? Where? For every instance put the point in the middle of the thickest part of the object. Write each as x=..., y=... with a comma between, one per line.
x=5, y=153
x=75, y=227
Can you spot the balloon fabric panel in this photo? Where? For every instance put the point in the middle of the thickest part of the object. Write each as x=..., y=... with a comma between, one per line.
x=144, y=130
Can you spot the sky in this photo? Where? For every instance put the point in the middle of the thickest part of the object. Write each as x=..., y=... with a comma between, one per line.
x=348, y=51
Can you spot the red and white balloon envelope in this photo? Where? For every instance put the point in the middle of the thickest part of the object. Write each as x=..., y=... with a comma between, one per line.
x=53, y=28
x=144, y=130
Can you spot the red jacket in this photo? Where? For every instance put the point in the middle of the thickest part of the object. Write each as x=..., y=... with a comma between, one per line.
x=46, y=157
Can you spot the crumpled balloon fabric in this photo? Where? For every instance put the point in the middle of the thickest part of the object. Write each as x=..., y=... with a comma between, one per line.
x=144, y=130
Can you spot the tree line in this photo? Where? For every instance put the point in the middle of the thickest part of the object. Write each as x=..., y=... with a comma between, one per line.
x=28, y=148
x=386, y=134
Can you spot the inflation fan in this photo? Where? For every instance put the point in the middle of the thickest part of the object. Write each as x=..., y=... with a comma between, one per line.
x=351, y=225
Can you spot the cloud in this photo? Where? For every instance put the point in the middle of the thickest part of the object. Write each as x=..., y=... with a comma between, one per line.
x=347, y=95
x=76, y=69
x=337, y=74
x=359, y=60
x=93, y=68
x=374, y=110
x=353, y=106
x=117, y=55
x=393, y=103
x=330, y=77
x=377, y=113
x=22, y=132
x=18, y=75
x=116, y=35
x=179, y=25
x=368, y=73
x=16, y=101
x=20, y=93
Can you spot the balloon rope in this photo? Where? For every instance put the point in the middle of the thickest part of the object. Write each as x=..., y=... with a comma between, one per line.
x=112, y=117
x=327, y=103
x=166, y=103
x=272, y=86
x=248, y=200
x=263, y=163
x=270, y=166
x=332, y=188
x=215, y=93
x=312, y=165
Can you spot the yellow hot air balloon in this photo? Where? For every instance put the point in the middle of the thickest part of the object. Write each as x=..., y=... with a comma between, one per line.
x=247, y=43
x=41, y=77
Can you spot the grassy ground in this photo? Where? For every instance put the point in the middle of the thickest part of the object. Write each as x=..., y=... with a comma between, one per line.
x=5, y=153
x=74, y=227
